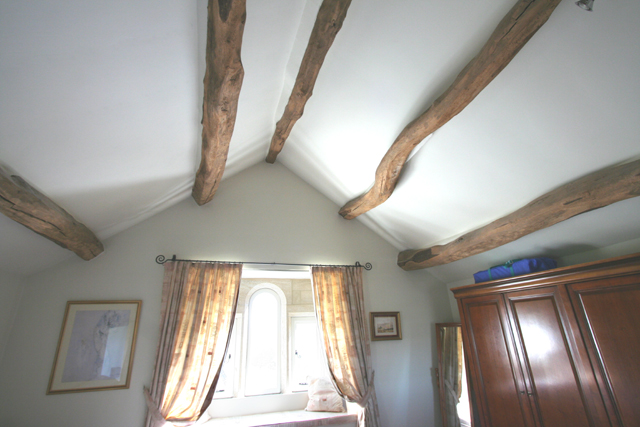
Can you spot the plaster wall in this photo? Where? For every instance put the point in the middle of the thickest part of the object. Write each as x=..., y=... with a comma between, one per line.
x=264, y=213
x=10, y=293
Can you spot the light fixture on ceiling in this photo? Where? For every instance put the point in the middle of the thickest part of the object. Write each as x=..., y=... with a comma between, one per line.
x=586, y=5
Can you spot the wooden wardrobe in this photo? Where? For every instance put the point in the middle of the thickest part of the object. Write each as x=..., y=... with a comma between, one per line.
x=559, y=348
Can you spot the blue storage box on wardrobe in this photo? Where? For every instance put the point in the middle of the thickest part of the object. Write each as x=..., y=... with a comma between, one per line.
x=515, y=267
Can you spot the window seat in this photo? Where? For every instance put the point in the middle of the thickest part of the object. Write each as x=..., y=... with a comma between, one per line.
x=287, y=419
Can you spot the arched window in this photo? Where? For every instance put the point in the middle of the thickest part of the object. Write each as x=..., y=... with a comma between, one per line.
x=264, y=322
x=274, y=345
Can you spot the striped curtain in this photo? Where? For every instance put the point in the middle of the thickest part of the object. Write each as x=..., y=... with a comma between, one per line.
x=339, y=305
x=198, y=308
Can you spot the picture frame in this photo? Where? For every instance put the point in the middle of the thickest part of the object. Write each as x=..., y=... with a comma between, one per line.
x=96, y=346
x=385, y=326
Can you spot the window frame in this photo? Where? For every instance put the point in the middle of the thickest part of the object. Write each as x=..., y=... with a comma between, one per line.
x=286, y=339
x=282, y=328
x=290, y=343
x=235, y=343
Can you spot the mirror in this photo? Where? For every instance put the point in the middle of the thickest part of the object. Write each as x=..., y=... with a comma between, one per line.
x=451, y=376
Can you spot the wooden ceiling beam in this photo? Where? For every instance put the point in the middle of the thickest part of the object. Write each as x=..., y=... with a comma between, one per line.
x=513, y=32
x=328, y=22
x=26, y=205
x=222, y=83
x=591, y=192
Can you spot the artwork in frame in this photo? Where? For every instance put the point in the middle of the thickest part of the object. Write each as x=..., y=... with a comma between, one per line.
x=96, y=346
x=385, y=326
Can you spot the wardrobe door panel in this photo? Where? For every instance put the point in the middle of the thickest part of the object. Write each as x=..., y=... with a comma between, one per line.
x=553, y=361
x=497, y=381
x=609, y=313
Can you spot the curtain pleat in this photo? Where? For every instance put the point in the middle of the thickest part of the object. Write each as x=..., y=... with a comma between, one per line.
x=458, y=379
x=452, y=372
x=339, y=303
x=198, y=309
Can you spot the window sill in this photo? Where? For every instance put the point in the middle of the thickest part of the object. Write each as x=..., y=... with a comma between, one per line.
x=244, y=406
x=286, y=419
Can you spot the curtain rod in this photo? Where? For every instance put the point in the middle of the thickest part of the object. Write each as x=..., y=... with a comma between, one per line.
x=160, y=259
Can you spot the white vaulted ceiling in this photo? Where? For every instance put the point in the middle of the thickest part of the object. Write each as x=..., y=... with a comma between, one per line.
x=100, y=108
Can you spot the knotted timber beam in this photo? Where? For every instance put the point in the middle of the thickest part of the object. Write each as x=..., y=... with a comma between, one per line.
x=328, y=22
x=513, y=32
x=26, y=205
x=591, y=192
x=222, y=82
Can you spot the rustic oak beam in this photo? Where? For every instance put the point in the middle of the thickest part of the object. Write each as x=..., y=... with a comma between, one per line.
x=513, y=32
x=222, y=83
x=26, y=205
x=591, y=192
x=328, y=22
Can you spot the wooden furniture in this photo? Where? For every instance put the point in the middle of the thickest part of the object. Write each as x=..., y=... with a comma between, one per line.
x=557, y=348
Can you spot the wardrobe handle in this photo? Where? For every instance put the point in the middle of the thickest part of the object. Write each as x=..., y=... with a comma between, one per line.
x=530, y=394
x=522, y=392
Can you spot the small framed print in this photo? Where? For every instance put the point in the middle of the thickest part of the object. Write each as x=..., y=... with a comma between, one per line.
x=96, y=346
x=385, y=326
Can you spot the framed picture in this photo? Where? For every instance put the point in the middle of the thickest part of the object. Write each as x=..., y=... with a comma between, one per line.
x=385, y=326
x=95, y=348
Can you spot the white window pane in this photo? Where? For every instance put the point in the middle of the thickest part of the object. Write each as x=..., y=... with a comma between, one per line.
x=224, y=388
x=225, y=385
x=262, y=369
x=306, y=359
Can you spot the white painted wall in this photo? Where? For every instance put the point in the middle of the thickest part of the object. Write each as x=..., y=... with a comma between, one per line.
x=262, y=214
x=452, y=300
x=10, y=293
x=611, y=251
